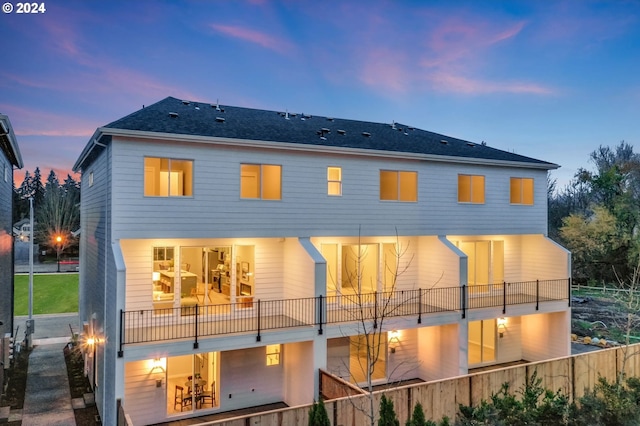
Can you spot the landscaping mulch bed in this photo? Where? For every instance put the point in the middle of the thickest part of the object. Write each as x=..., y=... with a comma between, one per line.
x=79, y=385
x=17, y=384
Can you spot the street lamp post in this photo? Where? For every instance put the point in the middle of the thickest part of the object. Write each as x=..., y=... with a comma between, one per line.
x=58, y=247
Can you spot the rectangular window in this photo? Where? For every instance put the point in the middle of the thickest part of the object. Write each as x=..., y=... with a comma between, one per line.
x=521, y=191
x=471, y=189
x=262, y=181
x=334, y=181
x=273, y=354
x=398, y=185
x=162, y=277
x=168, y=177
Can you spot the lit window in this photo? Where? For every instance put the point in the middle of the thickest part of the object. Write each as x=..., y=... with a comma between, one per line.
x=521, y=191
x=398, y=185
x=334, y=180
x=262, y=181
x=273, y=354
x=167, y=177
x=471, y=189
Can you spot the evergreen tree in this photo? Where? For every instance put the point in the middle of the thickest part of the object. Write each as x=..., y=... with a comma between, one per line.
x=387, y=413
x=318, y=415
x=417, y=418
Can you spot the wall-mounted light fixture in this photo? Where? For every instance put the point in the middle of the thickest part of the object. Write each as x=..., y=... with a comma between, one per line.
x=394, y=340
x=157, y=365
x=502, y=326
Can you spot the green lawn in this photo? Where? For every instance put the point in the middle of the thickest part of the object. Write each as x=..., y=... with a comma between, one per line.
x=52, y=294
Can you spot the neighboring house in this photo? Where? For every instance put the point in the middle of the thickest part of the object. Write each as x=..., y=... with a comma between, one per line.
x=223, y=249
x=22, y=230
x=9, y=158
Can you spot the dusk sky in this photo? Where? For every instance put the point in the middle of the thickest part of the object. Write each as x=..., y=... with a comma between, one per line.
x=551, y=80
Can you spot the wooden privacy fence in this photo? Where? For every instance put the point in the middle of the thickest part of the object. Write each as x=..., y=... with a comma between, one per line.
x=572, y=375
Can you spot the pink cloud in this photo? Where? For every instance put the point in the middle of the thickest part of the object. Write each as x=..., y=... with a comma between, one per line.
x=261, y=39
x=449, y=82
x=33, y=122
x=448, y=56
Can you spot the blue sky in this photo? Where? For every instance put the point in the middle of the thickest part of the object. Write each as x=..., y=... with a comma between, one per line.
x=548, y=79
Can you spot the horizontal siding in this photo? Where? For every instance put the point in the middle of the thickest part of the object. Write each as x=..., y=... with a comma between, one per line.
x=143, y=401
x=246, y=380
x=545, y=336
x=305, y=208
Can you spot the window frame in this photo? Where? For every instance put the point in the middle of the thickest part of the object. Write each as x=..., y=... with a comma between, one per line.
x=522, y=201
x=337, y=183
x=187, y=190
x=260, y=181
x=472, y=197
x=399, y=185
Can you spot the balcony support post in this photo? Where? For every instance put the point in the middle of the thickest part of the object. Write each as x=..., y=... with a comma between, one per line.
x=504, y=297
x=258, y=337
x=195, y=343
x=463, y=300
x=121, y=338
x=537, y=294
x=420, y=306
x=375, y=309
x=320, y=307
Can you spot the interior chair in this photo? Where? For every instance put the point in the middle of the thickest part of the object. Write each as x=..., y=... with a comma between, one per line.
x=180, y=398
x=208, y=395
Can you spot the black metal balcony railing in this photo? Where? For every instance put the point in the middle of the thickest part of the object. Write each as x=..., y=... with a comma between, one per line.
x=255, y=316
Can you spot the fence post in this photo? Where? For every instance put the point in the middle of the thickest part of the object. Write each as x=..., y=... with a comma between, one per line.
x=121, y=352
x=537, y=294
x=258, y=337
x=569, y=290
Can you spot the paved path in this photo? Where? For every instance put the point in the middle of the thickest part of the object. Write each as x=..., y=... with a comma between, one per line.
x=47, y=397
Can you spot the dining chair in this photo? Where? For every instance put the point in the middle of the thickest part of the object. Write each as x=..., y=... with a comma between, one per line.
x=180, y=398
x=208, y=395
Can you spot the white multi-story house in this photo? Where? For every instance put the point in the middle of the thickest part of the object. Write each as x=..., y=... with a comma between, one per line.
x=9, y=158
x=226, y=253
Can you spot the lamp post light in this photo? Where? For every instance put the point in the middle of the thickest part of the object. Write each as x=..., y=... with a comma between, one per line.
x=58, y=249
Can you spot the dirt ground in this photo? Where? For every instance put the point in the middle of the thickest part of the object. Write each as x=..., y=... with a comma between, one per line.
x=600, y=316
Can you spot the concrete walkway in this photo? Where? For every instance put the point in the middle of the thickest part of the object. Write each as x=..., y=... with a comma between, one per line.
x=47, y=397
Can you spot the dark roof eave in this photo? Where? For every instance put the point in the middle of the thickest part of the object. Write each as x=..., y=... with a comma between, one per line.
x=290, y=146
x=13, y=152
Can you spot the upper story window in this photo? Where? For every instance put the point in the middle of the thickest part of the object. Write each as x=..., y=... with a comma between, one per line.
x=168, y=177
x=471, y=189
x=262, y=181
x=521, y=191
x=334, y=181
x=397, y=185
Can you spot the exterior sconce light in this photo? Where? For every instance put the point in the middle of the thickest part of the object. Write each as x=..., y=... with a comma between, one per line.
x=158, y=365
x=394, y=340
x=502, y=326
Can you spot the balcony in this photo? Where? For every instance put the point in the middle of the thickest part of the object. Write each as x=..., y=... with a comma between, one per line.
x=255, y=317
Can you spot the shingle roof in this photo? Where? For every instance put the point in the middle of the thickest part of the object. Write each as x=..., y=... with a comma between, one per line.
x=175, y=116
